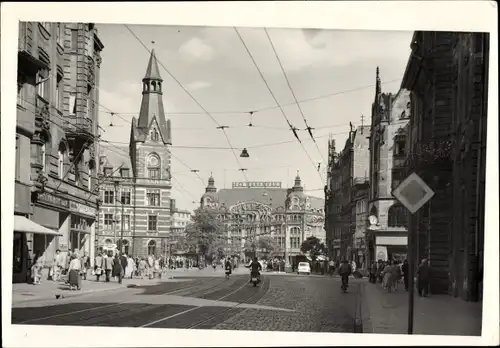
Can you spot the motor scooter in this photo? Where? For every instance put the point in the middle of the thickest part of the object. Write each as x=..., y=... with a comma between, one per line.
x=255, y=279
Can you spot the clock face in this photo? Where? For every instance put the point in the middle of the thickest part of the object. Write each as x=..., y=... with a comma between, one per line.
x=153, y=161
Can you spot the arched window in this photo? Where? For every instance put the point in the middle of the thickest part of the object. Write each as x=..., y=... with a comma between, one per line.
x=374, y=211
x=125, y=246
x=397, y=216
x=153, y=84
x=108, y=241
x=60, y=166
x=153, y=166
x=151, y=247
x=159, y=86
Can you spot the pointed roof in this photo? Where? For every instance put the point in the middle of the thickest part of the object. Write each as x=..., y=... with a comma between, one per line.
x=152, y=71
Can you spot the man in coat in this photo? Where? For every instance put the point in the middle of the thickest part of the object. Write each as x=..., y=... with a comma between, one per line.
x=124, y=263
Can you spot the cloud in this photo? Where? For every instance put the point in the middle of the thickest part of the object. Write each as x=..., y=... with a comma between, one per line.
x=196, y=49
x=193, y=86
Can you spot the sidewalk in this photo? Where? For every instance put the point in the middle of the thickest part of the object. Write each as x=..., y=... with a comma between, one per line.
x=387, y=313
x=47, y=290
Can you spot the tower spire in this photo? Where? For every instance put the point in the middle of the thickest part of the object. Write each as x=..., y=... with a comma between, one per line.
x=152, y=104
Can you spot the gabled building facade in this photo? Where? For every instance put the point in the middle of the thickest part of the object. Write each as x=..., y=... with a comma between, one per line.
x=136, y=215
x=387, y=233
x=346, y=195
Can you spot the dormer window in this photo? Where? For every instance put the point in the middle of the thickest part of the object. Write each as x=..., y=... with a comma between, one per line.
x=108, y=171
x=124, y=172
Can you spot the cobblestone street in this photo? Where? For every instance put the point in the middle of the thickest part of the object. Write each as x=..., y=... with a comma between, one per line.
x=279, y=303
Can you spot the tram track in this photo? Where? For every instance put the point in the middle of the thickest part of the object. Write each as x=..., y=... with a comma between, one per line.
x=121, y=303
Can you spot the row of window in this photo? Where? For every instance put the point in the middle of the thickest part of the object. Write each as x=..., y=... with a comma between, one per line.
x=109, y=222
x=152, y=197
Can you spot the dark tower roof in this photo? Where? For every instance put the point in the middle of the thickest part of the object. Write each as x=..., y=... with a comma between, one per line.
x=152, y=105
x=211, y=185
x=152, y=72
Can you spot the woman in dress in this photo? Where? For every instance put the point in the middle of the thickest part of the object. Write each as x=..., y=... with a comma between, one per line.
x=130, y=269
x=75, y=267
x=36, y=269
x=117, y=267
x=388, y=277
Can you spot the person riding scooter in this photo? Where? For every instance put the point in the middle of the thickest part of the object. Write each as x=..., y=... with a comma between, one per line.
x=255, y=267
x=345, y=271
x=228, y=268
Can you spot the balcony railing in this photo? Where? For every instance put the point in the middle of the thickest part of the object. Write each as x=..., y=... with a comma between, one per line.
x=78, y=125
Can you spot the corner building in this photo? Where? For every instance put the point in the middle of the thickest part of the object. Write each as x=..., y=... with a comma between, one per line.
x=55, y=165
x=387, y=233
x=249, y=210
x=136, y=209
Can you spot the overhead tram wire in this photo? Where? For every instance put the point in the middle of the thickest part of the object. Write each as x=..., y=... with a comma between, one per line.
x=323, y=96
x=277, y=103
x=192, y=97
x=98, y=138
x=308, y=128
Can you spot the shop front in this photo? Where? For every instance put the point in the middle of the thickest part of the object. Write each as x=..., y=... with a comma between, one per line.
x=388, y=248
x=82, y=229
x=30, y=238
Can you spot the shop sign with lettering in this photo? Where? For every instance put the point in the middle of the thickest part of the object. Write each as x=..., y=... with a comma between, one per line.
x=51, y=199
x=257, y=184
x=82, y=209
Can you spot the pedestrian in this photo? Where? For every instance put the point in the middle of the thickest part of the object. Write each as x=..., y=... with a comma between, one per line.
x=108, y=266
x=423, y=278
x=74, y=277
x=142, y=268
x=36, y=269
x=156, y=270
x=151, y=265
x=58, y=265
x=129, y=270
x=85, y=265
x=117, y=269
x=404, y=270
x=373, y=273
x=387, y=277
x=98, y=265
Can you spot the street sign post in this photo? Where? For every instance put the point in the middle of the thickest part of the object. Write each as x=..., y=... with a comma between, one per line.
x=413, y=193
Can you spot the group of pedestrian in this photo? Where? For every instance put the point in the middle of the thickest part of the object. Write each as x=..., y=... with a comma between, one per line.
x=390, y=273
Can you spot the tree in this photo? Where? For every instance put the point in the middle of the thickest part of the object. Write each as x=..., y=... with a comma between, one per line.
x=263, y=244
x=205, y=233
x=313, y=246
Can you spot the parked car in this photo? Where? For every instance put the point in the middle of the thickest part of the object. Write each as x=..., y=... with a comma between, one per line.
x=304, y=267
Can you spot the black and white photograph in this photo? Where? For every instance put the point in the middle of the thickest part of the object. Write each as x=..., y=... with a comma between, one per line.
x=249, y=179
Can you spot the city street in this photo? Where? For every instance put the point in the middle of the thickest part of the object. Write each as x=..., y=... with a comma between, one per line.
x=282, y=302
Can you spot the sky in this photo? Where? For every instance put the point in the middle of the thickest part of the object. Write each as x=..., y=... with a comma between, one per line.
x=331, y=73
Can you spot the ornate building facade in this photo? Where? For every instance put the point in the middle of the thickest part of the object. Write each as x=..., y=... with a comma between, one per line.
x=135, y=213
x=447, y=74
x=250, y=210
x=55, y=169
x=347, y=182
x=387, y=234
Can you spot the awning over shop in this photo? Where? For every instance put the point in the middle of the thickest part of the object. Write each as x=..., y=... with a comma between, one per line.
x=22, y=224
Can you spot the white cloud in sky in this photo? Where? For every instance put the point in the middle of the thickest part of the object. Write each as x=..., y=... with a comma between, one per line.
x=193, y=86
x=196, y=49
x=213, y=64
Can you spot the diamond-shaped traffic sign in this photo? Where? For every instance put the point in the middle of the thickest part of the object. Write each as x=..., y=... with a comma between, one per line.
x=413, y=193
